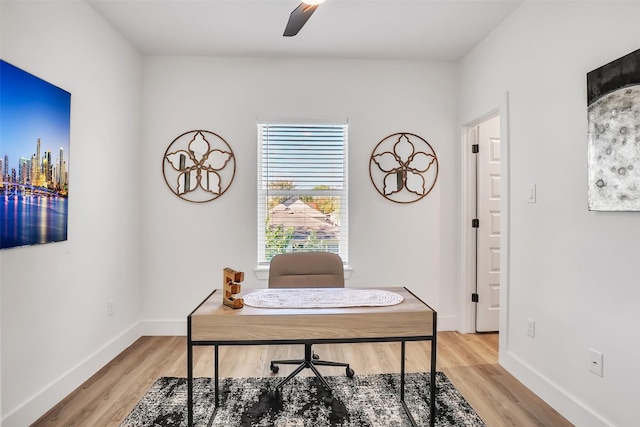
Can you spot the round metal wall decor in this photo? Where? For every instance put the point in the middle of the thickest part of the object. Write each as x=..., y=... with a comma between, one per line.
x=199, y=166
x=403, y=168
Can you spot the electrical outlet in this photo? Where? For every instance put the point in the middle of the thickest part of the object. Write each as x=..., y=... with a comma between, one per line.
x=110, y=308
x=596, y=359
x=531, y=327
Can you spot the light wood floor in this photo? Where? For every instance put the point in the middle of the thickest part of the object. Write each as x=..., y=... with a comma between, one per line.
x=469, y=360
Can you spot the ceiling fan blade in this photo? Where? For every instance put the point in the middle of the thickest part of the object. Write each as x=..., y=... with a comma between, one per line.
x=298, y=18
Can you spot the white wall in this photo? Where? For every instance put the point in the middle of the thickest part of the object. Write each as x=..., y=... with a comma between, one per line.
x=55, y=329
x=573, y=271
x=187, y=245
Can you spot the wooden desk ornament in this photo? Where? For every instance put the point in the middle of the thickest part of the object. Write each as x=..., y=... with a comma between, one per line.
x=232, y=279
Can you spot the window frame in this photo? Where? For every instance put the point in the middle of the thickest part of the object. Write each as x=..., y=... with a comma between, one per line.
x=264, y=192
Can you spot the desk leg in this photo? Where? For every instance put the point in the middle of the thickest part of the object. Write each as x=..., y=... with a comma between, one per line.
x=402, y=353
x=432, y=386
x=216, y=382
x=189, y=383
x=216, y=376
x=402, y=383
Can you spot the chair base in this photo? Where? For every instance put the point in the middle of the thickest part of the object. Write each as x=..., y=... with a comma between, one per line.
x=309, y=362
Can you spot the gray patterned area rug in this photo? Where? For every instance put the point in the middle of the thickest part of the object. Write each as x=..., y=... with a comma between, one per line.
x=361, y=401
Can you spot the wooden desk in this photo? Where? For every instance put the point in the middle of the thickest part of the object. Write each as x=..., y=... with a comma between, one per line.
x=214, y=324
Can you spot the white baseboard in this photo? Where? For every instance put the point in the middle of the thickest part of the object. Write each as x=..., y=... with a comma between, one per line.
x=447, y=323
x=152, y=328
x=52, y=394
x=567, y=405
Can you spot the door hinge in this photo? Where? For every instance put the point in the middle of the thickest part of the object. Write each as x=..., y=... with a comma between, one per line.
x=474, y=297
x=475, y=148
x=475, y=223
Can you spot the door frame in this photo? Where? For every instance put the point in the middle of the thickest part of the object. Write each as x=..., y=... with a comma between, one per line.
x=468, y=262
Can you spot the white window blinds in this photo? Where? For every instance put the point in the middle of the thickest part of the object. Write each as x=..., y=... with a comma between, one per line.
x=302, y=189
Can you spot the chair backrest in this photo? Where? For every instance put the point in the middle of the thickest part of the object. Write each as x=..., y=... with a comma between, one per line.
x=306, y=270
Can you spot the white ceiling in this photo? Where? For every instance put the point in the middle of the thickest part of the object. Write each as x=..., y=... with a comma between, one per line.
x=439, y=30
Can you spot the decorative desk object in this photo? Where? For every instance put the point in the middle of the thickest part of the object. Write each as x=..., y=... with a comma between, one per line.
x=403, y=167
x=613, y=113
x=231, y=280
x=199, y=166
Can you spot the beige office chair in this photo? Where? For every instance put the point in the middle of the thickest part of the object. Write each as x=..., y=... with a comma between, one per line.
x=307, y=270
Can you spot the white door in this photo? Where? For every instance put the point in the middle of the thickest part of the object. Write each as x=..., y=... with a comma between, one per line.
x=488, y=231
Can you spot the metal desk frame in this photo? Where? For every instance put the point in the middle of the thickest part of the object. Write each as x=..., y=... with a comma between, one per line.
x=216, y=343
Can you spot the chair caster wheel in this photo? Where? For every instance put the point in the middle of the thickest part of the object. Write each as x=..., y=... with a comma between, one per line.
x=350, y=373
x=275, y=394
x=275, y=368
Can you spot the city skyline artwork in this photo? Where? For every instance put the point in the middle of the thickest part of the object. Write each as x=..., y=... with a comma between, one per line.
x=34, y=152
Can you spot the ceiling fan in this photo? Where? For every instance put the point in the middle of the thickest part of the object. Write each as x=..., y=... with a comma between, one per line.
x=300, y=16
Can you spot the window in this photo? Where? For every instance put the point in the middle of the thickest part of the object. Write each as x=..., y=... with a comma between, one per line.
x=302, y=189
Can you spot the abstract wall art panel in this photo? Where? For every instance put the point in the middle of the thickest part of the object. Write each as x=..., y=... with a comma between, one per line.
x=613, y=92
x=34, y=153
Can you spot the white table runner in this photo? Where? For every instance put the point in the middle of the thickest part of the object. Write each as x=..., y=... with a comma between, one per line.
x=321, y=298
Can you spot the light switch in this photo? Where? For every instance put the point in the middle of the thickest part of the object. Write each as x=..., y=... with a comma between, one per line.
x=532, y=194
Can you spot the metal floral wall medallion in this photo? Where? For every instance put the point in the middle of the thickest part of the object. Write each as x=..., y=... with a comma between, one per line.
x=403, y=168
x=199, y=166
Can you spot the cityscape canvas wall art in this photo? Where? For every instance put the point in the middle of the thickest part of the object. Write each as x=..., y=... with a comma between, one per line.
x=34, y=152
x=613, y=93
